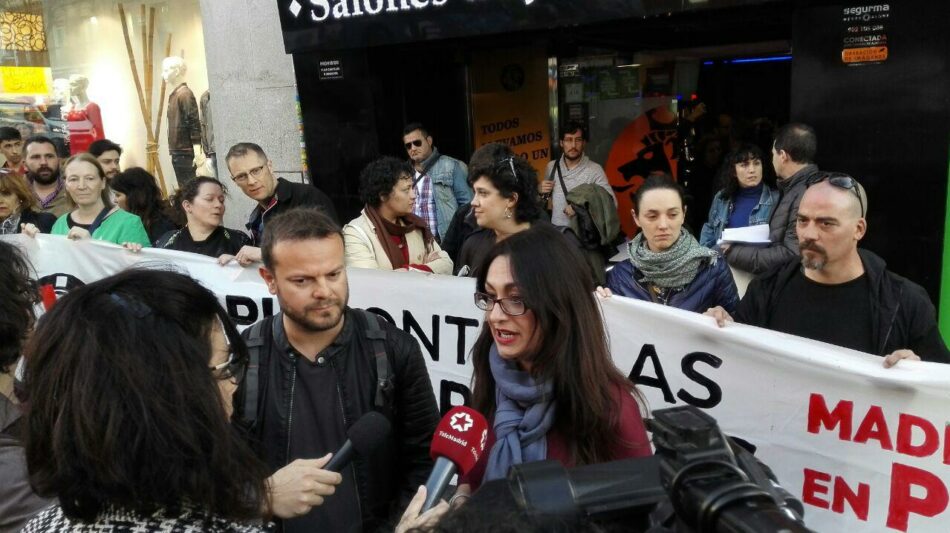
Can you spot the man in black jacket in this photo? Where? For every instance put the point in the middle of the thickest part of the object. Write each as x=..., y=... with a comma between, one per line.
x=254, y=174
x=318, y=374
x=793, y=156
x=837, y=293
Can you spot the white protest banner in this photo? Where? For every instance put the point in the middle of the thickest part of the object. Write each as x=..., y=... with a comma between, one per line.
x=865, y=448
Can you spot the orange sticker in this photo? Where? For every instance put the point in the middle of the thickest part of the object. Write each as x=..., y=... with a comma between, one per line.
x=864, y=55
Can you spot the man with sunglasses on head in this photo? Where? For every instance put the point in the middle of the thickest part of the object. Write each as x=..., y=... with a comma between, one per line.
x=441, y=181
x=793, y=156
x=837, y=293
x=253, y=172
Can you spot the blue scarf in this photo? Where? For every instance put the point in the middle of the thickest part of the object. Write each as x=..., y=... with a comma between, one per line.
x=524, y=413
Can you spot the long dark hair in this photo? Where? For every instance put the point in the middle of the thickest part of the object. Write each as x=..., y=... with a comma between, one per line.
x=142, y=196
x=574, y=354
x=728, y=179
x=124, y=409
x=17, y=297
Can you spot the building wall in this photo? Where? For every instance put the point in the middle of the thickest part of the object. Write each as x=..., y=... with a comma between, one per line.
x=253, y=89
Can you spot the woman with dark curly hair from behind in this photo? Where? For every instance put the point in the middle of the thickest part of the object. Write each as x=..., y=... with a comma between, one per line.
x=18, y=502
x=130, y=381
x=387, y=235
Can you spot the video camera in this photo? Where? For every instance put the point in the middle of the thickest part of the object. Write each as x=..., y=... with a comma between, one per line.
x=699, y=480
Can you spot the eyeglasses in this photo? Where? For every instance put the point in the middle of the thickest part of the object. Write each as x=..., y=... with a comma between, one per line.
x=255, y=173
x=511, y=306
x=842, y=181
x=511, y=164
x=417, y=143
x=234, y=368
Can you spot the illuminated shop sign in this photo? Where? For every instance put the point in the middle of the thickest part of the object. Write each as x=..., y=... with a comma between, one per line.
x=311, y=25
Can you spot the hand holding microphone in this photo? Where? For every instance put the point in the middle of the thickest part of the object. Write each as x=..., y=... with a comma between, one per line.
x=457, y=444
x=303, y=484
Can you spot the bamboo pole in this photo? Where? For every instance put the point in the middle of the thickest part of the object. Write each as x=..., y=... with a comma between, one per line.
x=161, y=98
x=146, y=62
x=161, y=110
x=150, y=71
x=150, y=139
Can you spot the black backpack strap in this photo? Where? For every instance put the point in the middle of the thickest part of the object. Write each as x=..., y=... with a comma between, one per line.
x=384, y=381
x=252, y=379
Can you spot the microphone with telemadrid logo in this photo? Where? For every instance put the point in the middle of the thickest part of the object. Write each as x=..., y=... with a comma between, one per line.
x=363, y=437
x=458, y=442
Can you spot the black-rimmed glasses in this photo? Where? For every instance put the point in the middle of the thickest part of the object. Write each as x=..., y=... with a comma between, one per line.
x=511, y=306
x=417, y=143
x=842, y=181
x=255, y=173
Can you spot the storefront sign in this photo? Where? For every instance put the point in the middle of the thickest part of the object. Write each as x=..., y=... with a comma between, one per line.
x=864, y=38
x=866, y=449
x=24, y=80
x=331, y=69
x=311, y=25
x=506, y=106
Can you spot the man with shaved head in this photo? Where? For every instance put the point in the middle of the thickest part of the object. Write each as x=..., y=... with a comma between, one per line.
x=837, y=293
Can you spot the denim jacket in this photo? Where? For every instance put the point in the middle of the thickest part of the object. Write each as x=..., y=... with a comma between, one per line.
x=449, y=186
x=722, y=207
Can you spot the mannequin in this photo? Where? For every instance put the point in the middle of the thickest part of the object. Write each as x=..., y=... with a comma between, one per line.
x=83, y=118
x=60, y=92
x=210, y=166
x=184, y=128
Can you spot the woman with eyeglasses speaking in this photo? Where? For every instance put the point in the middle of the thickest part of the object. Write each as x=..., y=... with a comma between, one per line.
x=130, y=381
x=505, y=203
x=543, y=374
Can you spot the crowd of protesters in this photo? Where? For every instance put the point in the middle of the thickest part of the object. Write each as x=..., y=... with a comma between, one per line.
x=135, y=404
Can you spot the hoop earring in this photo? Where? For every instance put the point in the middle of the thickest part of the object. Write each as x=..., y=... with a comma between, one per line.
x=507, y=212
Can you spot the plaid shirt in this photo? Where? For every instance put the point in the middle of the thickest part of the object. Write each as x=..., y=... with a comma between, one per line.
x=425, y=203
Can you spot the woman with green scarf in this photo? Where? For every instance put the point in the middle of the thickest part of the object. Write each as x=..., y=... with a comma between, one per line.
x=667, y=265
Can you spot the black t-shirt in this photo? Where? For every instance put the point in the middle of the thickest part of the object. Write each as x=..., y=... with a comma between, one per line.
x=221, y=241
x=319, y=429
x=837, y=314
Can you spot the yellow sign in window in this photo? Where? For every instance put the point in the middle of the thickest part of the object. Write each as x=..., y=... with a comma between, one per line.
x=24, y=80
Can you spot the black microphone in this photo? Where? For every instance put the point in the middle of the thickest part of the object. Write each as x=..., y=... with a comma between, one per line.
x=363, y=437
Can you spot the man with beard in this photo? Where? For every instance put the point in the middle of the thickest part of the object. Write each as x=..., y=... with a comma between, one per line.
x=42, y=171
x=837, y=293
x=322, y=365
x=575, y=168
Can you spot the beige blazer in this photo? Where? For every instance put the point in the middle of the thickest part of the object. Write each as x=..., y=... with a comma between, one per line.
x=364, y=250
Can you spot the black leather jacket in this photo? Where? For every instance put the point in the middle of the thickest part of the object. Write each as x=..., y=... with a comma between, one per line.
x=388, y=479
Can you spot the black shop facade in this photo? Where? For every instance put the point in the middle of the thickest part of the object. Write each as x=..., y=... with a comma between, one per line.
x=871, y=78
